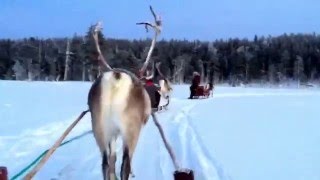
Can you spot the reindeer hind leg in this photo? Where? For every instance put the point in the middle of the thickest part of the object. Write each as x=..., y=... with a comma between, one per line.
x=105, y=165
x=129, y=145
x=126, y=166
x=113, y=159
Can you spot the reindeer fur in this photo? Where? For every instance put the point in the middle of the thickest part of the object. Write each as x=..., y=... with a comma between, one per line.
x=119, y=106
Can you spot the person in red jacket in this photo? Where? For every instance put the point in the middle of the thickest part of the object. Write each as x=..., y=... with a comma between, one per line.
x=152, y=90
x=195, y=83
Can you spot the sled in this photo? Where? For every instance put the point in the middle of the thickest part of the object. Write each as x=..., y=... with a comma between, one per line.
x=203, y=92
x=3, y=173
x=184, y=174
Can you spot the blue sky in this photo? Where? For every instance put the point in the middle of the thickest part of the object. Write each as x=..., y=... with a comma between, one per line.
x=189, y=19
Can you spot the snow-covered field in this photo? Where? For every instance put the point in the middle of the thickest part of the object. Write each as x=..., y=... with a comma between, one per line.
x=240, y=134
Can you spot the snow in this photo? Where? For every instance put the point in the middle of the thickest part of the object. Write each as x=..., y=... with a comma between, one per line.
x=242, y=133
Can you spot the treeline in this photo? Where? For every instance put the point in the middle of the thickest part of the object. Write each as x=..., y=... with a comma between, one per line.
x=263, y=59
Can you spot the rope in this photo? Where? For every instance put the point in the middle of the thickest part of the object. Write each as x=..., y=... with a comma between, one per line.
x=45, y=155
x=53, y=148
x=167, y=145
x=36, y=160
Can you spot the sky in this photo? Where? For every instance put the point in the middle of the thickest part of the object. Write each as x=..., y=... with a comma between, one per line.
x=182, y=19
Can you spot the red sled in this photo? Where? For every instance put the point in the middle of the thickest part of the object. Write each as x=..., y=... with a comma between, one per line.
x=203, y=92
x=3, y=173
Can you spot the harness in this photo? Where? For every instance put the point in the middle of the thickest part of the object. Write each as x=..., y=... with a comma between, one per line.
x=149, y=82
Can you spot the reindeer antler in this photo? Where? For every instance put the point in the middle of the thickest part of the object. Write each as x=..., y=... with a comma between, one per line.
x=176, y=73
x=98, y=28
x=157, y=28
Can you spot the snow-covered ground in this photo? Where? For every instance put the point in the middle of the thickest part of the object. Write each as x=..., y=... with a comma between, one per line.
x=240, y=134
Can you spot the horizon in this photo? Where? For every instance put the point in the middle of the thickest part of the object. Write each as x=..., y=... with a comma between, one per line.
x=205, y=20
x=165, y=39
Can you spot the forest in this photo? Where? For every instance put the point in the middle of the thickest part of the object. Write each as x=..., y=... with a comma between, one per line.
x=288, y=57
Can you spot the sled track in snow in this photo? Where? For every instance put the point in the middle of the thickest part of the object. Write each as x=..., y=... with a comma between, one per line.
x=235, y=95
x=70, y=161
x=185, y=140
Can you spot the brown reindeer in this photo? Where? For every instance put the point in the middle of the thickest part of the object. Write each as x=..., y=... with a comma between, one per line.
x=119, y=106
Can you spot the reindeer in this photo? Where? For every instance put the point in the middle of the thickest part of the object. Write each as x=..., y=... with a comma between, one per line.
x=119, y=106
x=164, y=83
x=165, y=89
x=162, y=89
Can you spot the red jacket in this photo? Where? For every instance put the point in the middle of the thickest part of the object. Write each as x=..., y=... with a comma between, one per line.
x=196, y=80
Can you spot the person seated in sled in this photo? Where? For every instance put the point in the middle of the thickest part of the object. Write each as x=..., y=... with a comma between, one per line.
x=195, y=83
x=152, y=90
